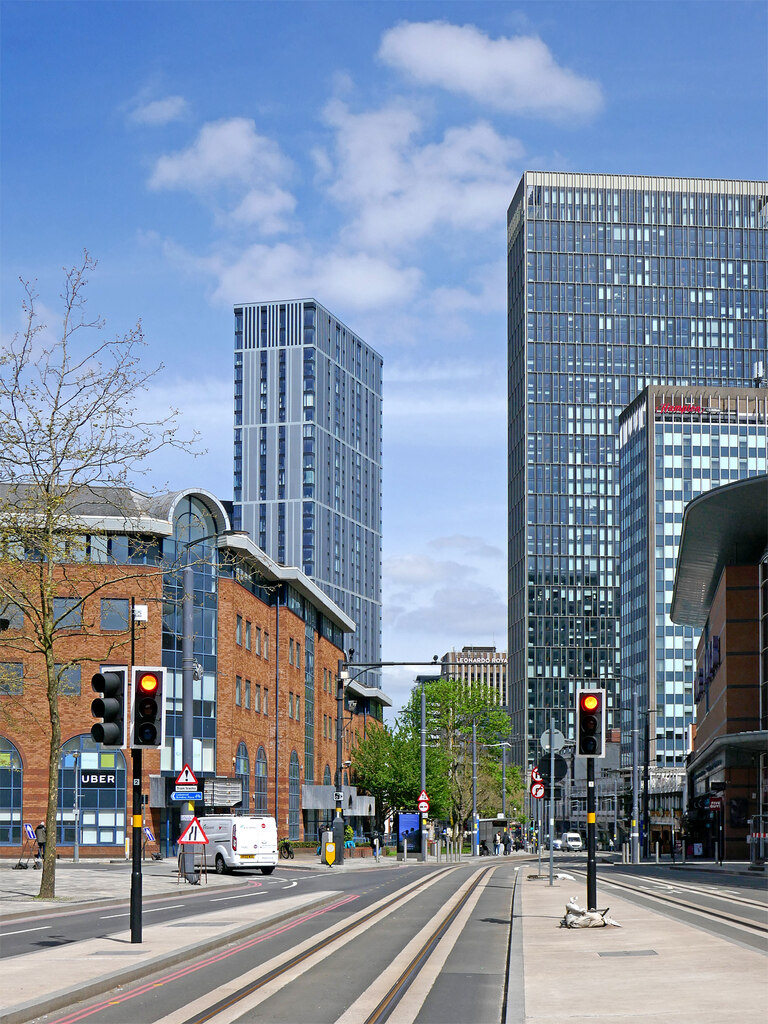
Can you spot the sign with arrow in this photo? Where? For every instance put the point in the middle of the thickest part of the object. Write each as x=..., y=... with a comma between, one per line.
x=537, y=790
x=194, y=833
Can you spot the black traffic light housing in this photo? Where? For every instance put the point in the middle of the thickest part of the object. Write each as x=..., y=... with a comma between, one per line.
x=590, y=723
x=111, y=706
x=148, y=708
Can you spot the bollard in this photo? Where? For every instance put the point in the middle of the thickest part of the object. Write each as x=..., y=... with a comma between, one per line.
x=682, y=845
x=716, y=851
x=376, y=849
x=405, y=850
x=657, y=853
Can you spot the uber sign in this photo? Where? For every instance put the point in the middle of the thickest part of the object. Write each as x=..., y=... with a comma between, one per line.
x=98, y=780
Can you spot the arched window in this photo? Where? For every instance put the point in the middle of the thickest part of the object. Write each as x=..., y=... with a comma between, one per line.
x=260, y=782
x=94, y=778
x=327, y=776
x=243, y=772
x=11, y=789
x=294, y=794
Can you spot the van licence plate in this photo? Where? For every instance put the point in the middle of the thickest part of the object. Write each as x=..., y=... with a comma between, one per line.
x=247, y=856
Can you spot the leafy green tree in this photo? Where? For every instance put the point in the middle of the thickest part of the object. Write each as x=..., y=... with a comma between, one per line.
x=452, y=706
x=387, y=764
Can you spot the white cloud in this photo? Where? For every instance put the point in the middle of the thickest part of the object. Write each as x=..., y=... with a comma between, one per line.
x=398, y=191
x=469, y=547
x=265, y=208
x=341, y=280
x=517, y=74
x=420, y=570
x=160, y=112
x=464, y=613
x=226, y=152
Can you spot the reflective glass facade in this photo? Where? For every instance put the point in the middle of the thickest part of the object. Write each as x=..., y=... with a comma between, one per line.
x=615, y=283
x=675, y=443
x=308, y=433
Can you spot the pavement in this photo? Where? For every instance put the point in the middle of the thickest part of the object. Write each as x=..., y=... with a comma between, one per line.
x=650, y=968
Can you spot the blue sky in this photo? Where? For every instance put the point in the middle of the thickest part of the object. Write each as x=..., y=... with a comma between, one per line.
x=364, y=154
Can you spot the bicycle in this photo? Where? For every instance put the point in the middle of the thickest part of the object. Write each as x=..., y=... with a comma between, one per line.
x=286, y=850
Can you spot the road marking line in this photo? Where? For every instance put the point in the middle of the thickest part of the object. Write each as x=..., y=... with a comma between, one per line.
x=415, y=995
x=236, y=1010
x=243, y=896
x=22, y=931
x=152, y=910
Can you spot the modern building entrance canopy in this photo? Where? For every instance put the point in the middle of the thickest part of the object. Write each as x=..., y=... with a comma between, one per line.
x=725, y=526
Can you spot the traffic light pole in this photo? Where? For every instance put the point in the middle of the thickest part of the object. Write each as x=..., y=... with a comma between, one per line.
x=591, y=828
x=136, y=850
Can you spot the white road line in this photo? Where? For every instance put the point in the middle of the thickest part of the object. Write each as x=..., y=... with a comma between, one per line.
x=243, y=1006
x=21, y=931
x=153, y=910
x=290, y=885
x=243, y=896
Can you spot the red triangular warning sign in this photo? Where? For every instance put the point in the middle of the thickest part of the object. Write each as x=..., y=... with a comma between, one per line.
x=423, y=795
x=194, y=833
x=186, y=777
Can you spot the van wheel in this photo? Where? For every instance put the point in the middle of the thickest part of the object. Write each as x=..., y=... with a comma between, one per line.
x=221, y=867
x=267, y=871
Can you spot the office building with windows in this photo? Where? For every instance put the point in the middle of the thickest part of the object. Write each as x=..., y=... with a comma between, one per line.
x=482, y=666
x=675, y=443
x=615, y=283
x=308, y=436
x=267, y=642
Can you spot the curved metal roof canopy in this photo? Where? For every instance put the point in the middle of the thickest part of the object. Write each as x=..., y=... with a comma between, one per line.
x=726, y=526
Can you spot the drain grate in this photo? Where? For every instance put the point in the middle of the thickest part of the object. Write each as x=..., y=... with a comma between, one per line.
x=630, y=952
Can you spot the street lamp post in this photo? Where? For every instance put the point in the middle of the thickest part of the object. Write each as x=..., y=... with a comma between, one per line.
x=474, y=789
x=422, y=815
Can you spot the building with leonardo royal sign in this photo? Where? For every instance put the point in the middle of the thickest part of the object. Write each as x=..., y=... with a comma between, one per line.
x=615, y=282
x=478, y=665
x=674, y=444
x=267, y=645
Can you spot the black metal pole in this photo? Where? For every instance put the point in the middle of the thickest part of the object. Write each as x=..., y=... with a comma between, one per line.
x=136, y=850
x=338, y=821
x=646, y=781
x=591, y=858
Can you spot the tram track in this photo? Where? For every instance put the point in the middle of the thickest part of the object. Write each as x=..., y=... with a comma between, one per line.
x=732, y=919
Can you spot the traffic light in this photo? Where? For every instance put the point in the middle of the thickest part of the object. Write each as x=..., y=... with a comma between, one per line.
x=112, y=684
x=590, y=723
x=148, y=712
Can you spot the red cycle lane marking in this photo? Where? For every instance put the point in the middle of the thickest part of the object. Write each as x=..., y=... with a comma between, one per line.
x=192, y=968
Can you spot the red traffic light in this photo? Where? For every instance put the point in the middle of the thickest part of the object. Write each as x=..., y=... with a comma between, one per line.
x=148, y=682
x=590, y=702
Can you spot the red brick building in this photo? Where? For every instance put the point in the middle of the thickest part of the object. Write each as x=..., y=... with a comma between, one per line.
x=267, y=644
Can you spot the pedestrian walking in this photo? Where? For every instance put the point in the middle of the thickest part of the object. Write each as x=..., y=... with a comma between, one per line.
x=497, y=844
x=507, y=844
x=40, y=837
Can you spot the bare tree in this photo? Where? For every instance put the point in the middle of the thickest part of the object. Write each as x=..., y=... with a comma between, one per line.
x=71, y=440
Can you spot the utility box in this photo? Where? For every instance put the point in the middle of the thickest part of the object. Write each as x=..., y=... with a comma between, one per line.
x=327, y=849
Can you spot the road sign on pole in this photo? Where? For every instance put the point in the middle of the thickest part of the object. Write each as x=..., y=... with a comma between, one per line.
x=423, y=806
x=537, y=790
x=194, y=833
x=535, y=775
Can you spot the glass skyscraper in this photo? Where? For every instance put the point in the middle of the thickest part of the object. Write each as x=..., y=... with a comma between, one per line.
x=675, y=443
x=615, y=282
x=308, y=435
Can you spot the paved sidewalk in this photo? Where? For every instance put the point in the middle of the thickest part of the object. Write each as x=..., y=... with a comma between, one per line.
x=651, y=969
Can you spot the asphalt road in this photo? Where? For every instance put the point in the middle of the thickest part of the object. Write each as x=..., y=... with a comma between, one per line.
x=464, y=977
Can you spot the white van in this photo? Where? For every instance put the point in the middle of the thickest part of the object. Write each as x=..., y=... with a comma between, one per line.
x=239, y=841
x=571, y=841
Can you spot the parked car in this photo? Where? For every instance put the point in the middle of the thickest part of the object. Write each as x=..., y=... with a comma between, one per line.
x=556, y=843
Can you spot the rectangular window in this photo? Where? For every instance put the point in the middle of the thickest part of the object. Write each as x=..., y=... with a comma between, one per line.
x=257, y=641
x=115, y=614
x=266, y=646
x=298, y=654
x=297, y=708
x=248, y=693
x=69, y=680
x=13, y=616
x=265, y=706
x=257, y=698
x=290, y=705
x=247, y=636
x=239, y=630
x=290, y=651
x=67, y=613
x=11, y=678
x=238, y=690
